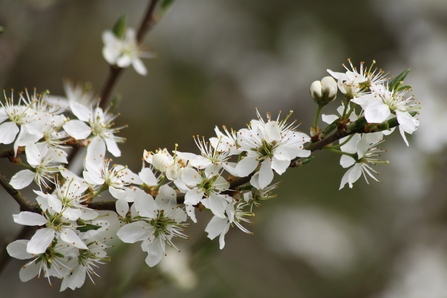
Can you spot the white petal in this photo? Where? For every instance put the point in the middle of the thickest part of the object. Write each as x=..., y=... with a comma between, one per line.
x=377, y=112
x=280, y=166
x=145, y=205
x=139, y=67
x=29, y=219
x=29, y=271
x=122, y=207
x=272, y=132
x=190, y=210
x=156, y=252
x=92, y=178
x=8, y=132
x=148, y=177
x=246, y=166
x=346, y=161
x=193, y=196
x=407, y=122
x=75, y=280
x=73, y=214
x=217, y=204
x=22, y=179
x=77, y=129
x=265, y=174
x=328, y=118
x=134, y=232
x=82, y=112
x=40, y=241
x=34, y=154
x=69, y=235
x=17, y=249
x=112, y=147
x=96, y=151
x=123, y=61
x=191, y=177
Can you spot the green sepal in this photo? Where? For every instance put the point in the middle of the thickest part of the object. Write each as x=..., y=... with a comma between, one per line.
x=2, y=29
x=394, y=84
x=88, y=227
x=120, y=27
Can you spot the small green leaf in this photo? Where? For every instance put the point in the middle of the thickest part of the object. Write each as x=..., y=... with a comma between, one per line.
x=166, y=3
x=404, y=87
x=358, y=124
x=88, y=227
x=2, y=29
x=120, y=27
x=330, y=127
x=394, y=84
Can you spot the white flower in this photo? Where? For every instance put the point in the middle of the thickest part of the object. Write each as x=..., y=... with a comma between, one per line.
x=45, y=162
x=26, y=124
x=115, y=178
x=124, y=51
x=225, y=142
x=86, y=262
x=273, y=145
x=67, y=200
x=74, y=92
x=94, y=122
x=354, y=82
x=58, y=260
x=219, y=226
x=364, y=151
x=55, y=227
x=382, y=104
x=211, y=158
x=171, y=166
x=156, y=223
x=200, y=184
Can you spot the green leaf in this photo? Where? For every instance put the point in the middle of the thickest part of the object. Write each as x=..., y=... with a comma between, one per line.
x=330, y=127
x=166, y=3
x=404, y=87
x=394, y=84
x=2, y=29
x=120, y=27
x=88, y=227
x=358, y=124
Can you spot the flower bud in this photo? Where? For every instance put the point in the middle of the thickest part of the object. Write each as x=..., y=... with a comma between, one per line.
x=324, y=91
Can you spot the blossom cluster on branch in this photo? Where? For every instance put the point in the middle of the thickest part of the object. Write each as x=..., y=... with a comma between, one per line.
x=231, y=174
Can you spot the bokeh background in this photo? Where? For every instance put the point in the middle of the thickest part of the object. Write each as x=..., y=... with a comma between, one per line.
x=217, y=61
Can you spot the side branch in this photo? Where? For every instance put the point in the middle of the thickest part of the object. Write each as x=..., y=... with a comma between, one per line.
x=24, y=204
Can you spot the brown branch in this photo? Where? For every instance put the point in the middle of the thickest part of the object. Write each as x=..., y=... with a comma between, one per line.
x=24, y=204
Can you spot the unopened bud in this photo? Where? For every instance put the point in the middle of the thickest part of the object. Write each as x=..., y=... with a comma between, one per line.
x=324, y=91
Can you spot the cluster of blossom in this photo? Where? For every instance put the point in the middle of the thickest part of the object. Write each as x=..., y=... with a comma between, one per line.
x=69, y=243
x=370, y=95
x=232, y=174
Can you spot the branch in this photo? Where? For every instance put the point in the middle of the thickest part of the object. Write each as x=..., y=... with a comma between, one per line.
x=24, y=204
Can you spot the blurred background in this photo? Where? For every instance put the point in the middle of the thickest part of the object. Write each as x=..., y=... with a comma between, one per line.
x=217, y=61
